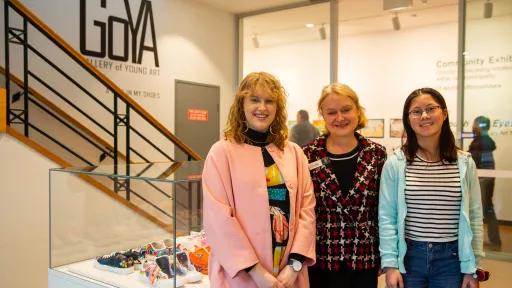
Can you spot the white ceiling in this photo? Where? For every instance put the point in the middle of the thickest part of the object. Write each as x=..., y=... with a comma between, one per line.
x=355, y=17
x=244, y=6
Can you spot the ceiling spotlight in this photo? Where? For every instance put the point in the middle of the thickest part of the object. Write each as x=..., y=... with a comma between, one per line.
x=310, y=25
x=488, y=9
x=255, y=42
x=424, y=2
x=395, y=5
x=322, y=32
x=396, y=22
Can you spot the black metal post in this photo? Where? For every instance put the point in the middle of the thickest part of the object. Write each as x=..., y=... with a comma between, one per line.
x=199, y=203
x=190, y=214
x=127, y=124
x=7, y=70
x=25, y=76
x=115, y=143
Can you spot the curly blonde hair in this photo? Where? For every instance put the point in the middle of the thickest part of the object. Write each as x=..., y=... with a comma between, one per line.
x=344, y=90
x=237, y=123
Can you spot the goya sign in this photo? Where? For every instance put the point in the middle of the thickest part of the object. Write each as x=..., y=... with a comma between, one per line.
x=135, y=29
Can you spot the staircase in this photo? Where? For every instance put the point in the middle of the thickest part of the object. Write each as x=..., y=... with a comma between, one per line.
x=60, y=108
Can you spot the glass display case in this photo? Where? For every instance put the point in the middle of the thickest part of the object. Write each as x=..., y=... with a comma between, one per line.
x=135, y=225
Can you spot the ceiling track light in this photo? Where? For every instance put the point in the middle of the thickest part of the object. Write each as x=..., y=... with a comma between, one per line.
x=322, y=32
x=255, y=42
x=395, y=5
x=396, y=22
x=488, y=9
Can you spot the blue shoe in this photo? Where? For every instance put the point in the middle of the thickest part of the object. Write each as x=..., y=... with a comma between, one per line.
x=115, y=262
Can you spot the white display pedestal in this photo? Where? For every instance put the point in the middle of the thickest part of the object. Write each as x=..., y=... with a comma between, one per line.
x=84, y=275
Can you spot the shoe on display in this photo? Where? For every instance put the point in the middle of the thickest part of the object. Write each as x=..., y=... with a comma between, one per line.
x=115, y=262
x=153, y=250
x=132, y=253
x=167, y=266
x=191, y=274
x=154, y=276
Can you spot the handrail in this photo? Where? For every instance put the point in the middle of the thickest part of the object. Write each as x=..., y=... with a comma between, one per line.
x=39, y=97
x=121, y=118
x=57, y=40
x=3, y=111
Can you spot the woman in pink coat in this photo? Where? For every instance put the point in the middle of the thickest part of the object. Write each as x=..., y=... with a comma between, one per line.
x=258, y=197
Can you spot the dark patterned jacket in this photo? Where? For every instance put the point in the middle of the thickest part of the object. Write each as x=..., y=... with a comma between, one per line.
x=347, y=222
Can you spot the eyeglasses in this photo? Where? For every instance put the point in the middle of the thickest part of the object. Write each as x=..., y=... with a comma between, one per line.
x=417, y=113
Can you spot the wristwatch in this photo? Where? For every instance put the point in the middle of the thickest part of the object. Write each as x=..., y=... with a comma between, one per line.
x=295, y=264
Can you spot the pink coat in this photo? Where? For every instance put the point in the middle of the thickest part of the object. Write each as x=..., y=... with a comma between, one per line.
x=237, y=215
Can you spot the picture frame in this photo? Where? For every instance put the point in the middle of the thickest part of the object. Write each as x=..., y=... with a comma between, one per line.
x=396, y=128
x=374, y=129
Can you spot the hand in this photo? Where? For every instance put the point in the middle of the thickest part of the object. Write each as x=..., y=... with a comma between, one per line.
x=469, y=282
x=287, y=276
x=393, y=278
x=263, y=278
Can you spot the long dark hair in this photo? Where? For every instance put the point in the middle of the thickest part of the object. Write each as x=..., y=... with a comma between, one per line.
x=447, y=145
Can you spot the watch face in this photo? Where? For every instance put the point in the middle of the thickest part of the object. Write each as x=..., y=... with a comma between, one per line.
x=296, y=265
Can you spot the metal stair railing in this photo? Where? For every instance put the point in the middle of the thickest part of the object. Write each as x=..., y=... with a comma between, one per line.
x=120, y=119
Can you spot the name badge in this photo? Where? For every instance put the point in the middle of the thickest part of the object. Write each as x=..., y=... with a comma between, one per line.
x=316, y=164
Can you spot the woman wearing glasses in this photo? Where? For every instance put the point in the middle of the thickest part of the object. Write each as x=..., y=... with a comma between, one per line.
x=430, y=214
x=345, y=168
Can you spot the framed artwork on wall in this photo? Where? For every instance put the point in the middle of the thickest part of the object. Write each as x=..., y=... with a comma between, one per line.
x=396, y=128
x=374, y=129
x=320, y=125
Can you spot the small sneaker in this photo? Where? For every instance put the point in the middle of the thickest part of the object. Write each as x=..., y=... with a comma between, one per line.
x=153, y=276
x=184, y=264
x=115, y=262
x=153, y=250
x=167, y=267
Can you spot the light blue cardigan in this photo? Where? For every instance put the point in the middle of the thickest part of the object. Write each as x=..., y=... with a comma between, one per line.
x=392, y=211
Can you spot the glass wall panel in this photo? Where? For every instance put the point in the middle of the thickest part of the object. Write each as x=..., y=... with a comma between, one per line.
x=488, y=114
x=386, y=54
x=293, y=45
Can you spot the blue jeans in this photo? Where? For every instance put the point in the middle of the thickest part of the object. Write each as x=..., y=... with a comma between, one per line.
x=432, y=265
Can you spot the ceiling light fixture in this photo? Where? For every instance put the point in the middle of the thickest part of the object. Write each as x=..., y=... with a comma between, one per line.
x=396, y=22
x=310, y=25
x=395, y=5
x=322, y=32
x=255, y=42
x=488, y=9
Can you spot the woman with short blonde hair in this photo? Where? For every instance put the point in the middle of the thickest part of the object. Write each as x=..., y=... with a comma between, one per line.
x=345, y=168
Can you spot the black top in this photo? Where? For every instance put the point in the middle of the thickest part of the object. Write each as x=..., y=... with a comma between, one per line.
x=481, y=150
x=278, y=194
x=256, y=138
x=344, y=167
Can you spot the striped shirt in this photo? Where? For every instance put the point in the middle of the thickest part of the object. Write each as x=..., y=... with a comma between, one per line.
x=433, y=196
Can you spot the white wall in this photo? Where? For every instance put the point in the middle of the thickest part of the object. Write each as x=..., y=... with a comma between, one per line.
x=195, y=43
x=24, y=214
x=302, y=68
